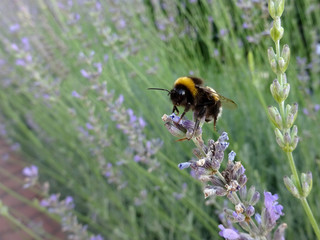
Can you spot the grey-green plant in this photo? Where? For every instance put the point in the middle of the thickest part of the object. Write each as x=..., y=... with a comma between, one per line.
x=284, y=117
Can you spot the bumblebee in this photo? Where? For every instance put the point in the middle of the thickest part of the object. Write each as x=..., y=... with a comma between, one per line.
x=192, y=94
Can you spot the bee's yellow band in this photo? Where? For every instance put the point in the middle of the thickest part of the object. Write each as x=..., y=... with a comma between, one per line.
x=188, y=83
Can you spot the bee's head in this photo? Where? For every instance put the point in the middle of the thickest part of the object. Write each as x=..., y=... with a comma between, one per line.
x=178, y=96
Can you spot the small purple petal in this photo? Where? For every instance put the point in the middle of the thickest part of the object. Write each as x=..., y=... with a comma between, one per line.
x=89, y=126
x=228, y=233
x=84, y=73
x=184, y=165
x=231, y=156
x=15, y=27
x=137, y=158
x=75, y=94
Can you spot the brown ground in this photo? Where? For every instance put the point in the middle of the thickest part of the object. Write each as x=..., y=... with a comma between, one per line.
x=11, y=177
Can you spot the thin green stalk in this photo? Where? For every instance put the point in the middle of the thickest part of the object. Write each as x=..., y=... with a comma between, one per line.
x=22, y=226
x=294, y=171
x=312, y=220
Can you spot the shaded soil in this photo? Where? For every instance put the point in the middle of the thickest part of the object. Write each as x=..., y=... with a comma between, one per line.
x=16, y=199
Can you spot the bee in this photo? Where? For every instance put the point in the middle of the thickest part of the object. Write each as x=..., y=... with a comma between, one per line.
x=205, y=102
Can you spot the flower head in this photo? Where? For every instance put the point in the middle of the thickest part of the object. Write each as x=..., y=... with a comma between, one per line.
x=228, y=233
x=273, y=208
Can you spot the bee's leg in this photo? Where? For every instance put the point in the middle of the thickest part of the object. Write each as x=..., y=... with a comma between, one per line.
x=199, y=117
x=214, y=123
x=185, y=111
x=175, y=109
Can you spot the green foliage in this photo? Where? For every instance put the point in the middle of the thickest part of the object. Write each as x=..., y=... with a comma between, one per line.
x=150, y=44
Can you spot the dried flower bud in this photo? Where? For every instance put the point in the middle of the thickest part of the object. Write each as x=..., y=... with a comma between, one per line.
x=306, y=182
x=208, y=191
x=239, y=208
x=291, y=186
x=279, y=233
x=220, y=191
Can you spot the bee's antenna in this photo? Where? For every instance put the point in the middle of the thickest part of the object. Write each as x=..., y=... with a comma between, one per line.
x=161, y=89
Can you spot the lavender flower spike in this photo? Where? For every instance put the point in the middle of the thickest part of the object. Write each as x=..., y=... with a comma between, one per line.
x=273, y=208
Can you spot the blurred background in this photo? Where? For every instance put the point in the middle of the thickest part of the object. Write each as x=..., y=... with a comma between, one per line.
x=74, y=102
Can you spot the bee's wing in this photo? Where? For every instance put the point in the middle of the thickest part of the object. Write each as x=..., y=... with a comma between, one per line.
x=226, y=102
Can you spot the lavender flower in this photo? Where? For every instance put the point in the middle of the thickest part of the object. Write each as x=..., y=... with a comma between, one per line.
x=273, y=208
x=229, y=182
x=31, y=174
x=228, y=233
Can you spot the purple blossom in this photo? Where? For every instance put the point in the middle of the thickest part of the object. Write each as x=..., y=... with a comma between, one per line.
x=84, y=73
x=75, y=94
x=231, y=156
x=228, y=233
x=97, y=237
x=89, y=126
x=133, y=118
x=15, y=27
x=122, y=23
x=14, y=47
x=137, y=158
x=98, y=66
x=273, y=208
x=316, y=107
x=69, y=202
x=142, y=123
x=20, y=62
x=15, y=147
x=26, y=44
x=106, y=57
x=184, y=165
x=31, y=171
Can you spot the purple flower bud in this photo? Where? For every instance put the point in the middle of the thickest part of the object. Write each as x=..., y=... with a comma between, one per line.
x=75, y=94
x=184, y=165
x=89, y=126
x=231, y=156
x=228, y=233
x=98, y=66
x=142, y=123
x=250, y=210
x=31, y=171
x=257, y=216
x=13, y=28
x=97, y=237
x=84, y=73
x=137, y=158
x=224, y=137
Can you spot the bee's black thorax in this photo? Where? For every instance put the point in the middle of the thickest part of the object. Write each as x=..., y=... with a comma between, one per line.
x=180, y=95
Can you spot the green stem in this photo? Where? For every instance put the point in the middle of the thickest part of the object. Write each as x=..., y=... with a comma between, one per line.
x=304, y=201
x=294, y=171
x=22, y=226
x=312, y=220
